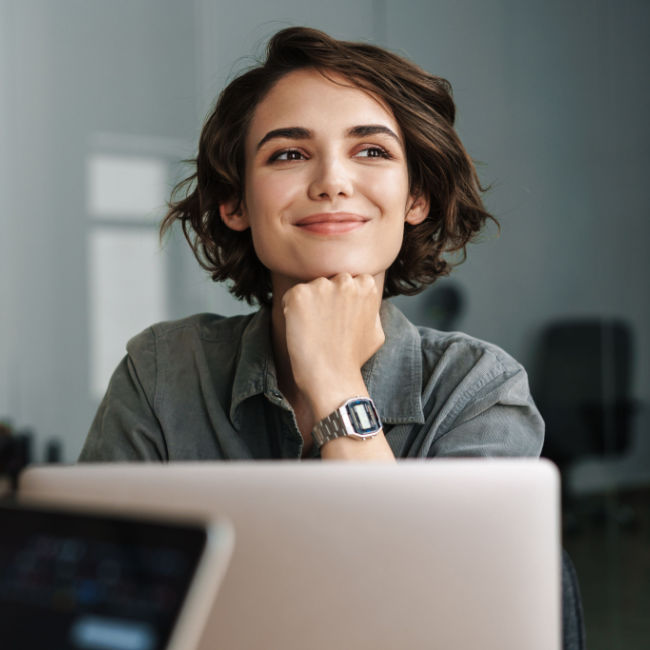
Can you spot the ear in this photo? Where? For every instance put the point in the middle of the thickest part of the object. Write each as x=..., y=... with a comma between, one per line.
x=233, y=214
x=417, y=209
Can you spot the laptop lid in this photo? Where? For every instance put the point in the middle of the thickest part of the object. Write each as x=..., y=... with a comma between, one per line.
x=84, y=580
x=444, y=553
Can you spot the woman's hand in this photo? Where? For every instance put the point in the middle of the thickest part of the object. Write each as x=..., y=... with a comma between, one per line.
x=332, y=329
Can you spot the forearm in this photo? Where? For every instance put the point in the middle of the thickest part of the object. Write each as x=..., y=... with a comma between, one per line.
x=330, y=328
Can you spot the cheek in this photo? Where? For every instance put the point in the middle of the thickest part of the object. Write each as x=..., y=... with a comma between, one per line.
x=266, y=199
x=389, y=189
x=270, y=194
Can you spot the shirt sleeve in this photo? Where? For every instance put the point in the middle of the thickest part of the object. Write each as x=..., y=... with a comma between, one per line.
x=482, y=408
x=125, y=427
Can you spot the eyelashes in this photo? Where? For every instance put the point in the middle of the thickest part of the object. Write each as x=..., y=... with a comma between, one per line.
x=375, y=152
x=285, y=155
x=291, y=154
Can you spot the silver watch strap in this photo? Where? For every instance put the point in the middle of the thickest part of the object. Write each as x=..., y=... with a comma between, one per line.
x=329, y=428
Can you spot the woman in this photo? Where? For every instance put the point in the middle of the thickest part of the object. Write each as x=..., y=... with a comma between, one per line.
x=328, y=179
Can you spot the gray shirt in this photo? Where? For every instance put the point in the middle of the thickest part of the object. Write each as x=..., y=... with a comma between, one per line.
x=205, y=388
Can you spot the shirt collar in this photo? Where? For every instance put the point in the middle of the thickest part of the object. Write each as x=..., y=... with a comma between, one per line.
x=393, y=375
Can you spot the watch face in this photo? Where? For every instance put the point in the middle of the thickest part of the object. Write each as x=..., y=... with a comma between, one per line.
x=363, y=416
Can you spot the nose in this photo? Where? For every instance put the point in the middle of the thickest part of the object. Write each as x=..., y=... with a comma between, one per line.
x=331, y=179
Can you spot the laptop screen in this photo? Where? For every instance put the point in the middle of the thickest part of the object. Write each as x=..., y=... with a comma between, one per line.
x=90, y=582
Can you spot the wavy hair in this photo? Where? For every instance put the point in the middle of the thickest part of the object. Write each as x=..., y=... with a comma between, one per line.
x=438, y=165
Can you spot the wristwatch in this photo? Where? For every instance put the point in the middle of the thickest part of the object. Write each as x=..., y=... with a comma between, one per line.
x=357, y=418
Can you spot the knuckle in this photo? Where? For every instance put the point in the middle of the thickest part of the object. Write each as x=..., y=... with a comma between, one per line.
x=295, y=295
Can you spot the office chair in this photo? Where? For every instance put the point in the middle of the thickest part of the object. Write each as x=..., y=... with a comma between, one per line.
x=582, y=389
x=573, y=624
x=15, y=454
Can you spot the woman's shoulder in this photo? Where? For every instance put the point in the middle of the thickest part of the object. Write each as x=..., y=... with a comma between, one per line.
x=437, y=344
x=473, y=397
x=205, y=327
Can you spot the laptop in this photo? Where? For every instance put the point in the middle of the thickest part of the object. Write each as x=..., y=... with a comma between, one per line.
x=453, y=553
x=80, y=580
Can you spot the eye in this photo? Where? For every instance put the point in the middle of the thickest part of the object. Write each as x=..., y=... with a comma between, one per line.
x=287, y=154
x=373, y=152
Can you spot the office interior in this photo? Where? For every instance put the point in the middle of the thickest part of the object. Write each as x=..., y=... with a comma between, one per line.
x=101, y=101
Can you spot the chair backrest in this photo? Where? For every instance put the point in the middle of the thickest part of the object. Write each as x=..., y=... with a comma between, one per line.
x=573, y=624
x=582, y=387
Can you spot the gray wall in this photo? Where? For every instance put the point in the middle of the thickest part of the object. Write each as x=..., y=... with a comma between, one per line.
x=71, y=69
x=552, y=98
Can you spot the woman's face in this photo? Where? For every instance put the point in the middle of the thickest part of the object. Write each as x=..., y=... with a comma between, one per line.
x=326, y=186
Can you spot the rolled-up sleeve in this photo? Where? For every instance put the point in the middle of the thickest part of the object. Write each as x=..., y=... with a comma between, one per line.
x=478, y=403
x=501, y=420
x=125, y=427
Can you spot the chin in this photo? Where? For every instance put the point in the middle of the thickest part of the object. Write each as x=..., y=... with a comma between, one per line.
x=329, y=270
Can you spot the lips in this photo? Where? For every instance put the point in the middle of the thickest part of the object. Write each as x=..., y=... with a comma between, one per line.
x=330, y=223
x=330, y=217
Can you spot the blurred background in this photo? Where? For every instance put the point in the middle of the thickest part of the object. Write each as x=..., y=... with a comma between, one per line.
x=101, y=100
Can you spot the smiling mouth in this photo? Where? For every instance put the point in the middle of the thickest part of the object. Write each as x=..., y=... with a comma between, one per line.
x=331, y=223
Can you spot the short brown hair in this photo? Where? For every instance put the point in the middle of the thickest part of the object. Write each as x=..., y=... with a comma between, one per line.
x=438, y=164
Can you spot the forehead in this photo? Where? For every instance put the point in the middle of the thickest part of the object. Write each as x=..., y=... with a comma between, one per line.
x=318, y=100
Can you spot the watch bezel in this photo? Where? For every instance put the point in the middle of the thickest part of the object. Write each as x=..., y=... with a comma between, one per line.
x=352, y=420
x=339, y=424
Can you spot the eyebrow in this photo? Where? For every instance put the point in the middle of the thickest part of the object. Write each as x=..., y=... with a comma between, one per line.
x=291, y=133
x=300, y=133
x=373, y=129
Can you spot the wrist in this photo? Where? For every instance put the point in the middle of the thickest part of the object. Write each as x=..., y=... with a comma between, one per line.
x=356, y=418
x=349, y=449
x=328, y=395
